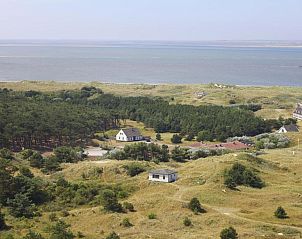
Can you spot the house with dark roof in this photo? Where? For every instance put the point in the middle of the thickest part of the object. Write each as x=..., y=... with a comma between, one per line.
x=298, y=112
x=163, y=175
x=129, y=135
x=288, y=128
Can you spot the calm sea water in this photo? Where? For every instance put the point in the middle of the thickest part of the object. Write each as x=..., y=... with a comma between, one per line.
x=151, y=63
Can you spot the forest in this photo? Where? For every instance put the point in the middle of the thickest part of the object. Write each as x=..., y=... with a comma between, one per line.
x=34, y=119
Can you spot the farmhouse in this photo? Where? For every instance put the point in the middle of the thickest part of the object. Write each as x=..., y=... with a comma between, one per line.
x=129, y=135
x=298, y=112
x=163, y=175
x=288, y=128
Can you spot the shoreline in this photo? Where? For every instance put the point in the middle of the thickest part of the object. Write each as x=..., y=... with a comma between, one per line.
x=223, y=85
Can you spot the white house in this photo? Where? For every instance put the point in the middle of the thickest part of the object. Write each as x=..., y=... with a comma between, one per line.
x=163, y=175
x=298, y=112
x=288, y=128
x=129, y=135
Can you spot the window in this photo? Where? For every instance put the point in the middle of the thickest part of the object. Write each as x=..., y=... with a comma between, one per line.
x=155, y=176
x=164, y=177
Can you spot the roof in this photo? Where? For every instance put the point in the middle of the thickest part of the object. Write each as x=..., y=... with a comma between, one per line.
x=298, y=109
x=291, y=128
x=236, y=145
x=163, y=171
x=130, y=132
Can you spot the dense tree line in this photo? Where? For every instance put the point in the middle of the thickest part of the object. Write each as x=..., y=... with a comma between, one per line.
x=34, y=119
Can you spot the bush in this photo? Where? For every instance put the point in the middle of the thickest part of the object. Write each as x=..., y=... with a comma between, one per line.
x=190, y=137
x=158, y=136
x=195, y=206
x=65, y=213
x=26, y=172
x=134, y=169
x=2, y=222
x=240, y=175
x=110, y=202
x=187, y=222
x=36, y=160
x=33, y=235
x=280, y=213
x=176, y=139
x=228, y=233
x=61, y=231
x=113, y=235
x=6, y=154
x=126, y=223
x=21, y=206
x=52, y=217
x=128, y=206
x=152, y=216
x=26, y=153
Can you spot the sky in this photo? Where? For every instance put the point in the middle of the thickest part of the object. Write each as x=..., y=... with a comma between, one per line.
x=171, y=20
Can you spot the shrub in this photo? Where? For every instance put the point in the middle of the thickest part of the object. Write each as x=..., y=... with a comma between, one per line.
x=134, y=169
x=21, y=206
x=195, y=206
x=61, y=231
x=26, y=172
x=187, y=222
x=240, y=175
x=65, y=213
x=280, y=213
x=36, y=160
x=128, y=206
x=113, y=235
x=176, y=139
x=2, y=222
x=152, y=216
x=26, y=153
x=190, y=137
x=33, y=235
x=52, y=217
x=110, y=202
x=228, y=233
x=80, y=235
x=6, y=154
x=158, y=136
x=126, y=222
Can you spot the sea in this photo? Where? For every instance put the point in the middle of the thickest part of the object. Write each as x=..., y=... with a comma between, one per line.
x=232, y=63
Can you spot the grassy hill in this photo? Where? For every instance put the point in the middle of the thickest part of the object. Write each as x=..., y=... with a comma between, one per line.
x=249, y=210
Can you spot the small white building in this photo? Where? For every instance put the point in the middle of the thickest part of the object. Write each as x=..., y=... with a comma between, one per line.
x=288, y=128
x=163, y=175
x=129, y=135
x=298, y=112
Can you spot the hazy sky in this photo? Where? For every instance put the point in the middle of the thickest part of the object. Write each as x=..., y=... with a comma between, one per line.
x=151, y=19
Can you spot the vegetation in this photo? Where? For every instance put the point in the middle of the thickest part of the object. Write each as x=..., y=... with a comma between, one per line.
x=126, y=222
x=152, y=216
x=61, y=230
x=2, y=222
x=187, y=222
x=176, y=139
x=110, y=201
x=113, y=235
x=240, y=175
x=72, y=117
x=134, y=169
x=280, y=213
x=195, y=206
x=33, y=235
x=228, y=233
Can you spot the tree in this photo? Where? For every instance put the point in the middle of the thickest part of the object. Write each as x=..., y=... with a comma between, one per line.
x=61, y=231
x=176, y=139
x=190, y=137
x=2, y=222
x=33, y=235
x=158, y=136
x=110, y=202
x=6, y=181
x=195, y=206
x=113, y=235
x=36, y=160
x=24, y=171
x=180, y=154
x=228, y=233
x=280, y=213
x=21, y=206
x=204, y=136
